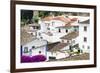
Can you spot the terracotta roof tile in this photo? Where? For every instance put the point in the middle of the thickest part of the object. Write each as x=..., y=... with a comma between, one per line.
x=71, y=35
x=59, y=46
x=61, y=18
x=47, y=18
x=85, y=22
x=25, y=37
x=51, y=45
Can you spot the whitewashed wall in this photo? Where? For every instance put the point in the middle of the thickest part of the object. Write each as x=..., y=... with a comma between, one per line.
x=42, y=49
x=41, y=44
x=54, y=38
x=83, y=34
x=57, y=23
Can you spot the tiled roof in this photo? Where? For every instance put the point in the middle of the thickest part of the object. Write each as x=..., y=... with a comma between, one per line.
x=59, y=46
x=61, y=18
x=25, y=37
x=74, y=19
x=51, y=45
x=47, y=18
x=85, y=22
x=68, y=21
x=71, y=35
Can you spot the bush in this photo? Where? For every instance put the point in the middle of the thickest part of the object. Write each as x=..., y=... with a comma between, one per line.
x=36, y=58
x=25, y=59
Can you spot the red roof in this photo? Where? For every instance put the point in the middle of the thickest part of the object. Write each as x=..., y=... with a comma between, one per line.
x=74, y=19
x=61, y=18
x=48, y=18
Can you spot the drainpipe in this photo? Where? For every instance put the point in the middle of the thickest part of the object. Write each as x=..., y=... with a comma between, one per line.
x=21, y=50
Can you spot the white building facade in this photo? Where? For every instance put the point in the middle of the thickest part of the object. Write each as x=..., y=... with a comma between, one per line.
x=35, y=47
x=84, y=35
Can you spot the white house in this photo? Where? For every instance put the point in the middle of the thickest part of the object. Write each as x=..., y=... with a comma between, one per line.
x=35, y=47
x=61, y=49
x=31, y=46
x=33, y=28
x=49, y=23
x=55, y=51
x=72, y=39
x=84, y=32
x=55, y=36
x=52, y=28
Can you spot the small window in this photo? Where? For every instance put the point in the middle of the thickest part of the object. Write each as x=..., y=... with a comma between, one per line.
x=59, y=30
x=62, y=41
x=70, y=48
x=41, y=37
x=39, y=52
x=76, y=29
x=33, y=47
x=85, y=39
x=66, y=30
x=52, y=58
x=88, y=47
x=85, y=28
x=25, y=49
x=31, y=33
x=39, y=34
x=37, y=27
x=48, y=28
x=68, y=41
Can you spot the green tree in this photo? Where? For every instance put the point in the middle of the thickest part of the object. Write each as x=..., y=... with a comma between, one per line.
x=35, y=19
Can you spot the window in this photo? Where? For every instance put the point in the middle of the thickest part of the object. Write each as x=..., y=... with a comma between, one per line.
x=48, y=28
x=85, y=39
x=33, y=47
x=70, y=48
x=37, y=27
x=39, y=52
x=88, y=47
x=52, y=58
x=68, y=41
x=75, y=29
x=41, y=37
x=62, y=41
x=39, y=34
x=85, y=28
x=25, y=49
x=59, y=30
x=31, y=33
x=66, y=30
